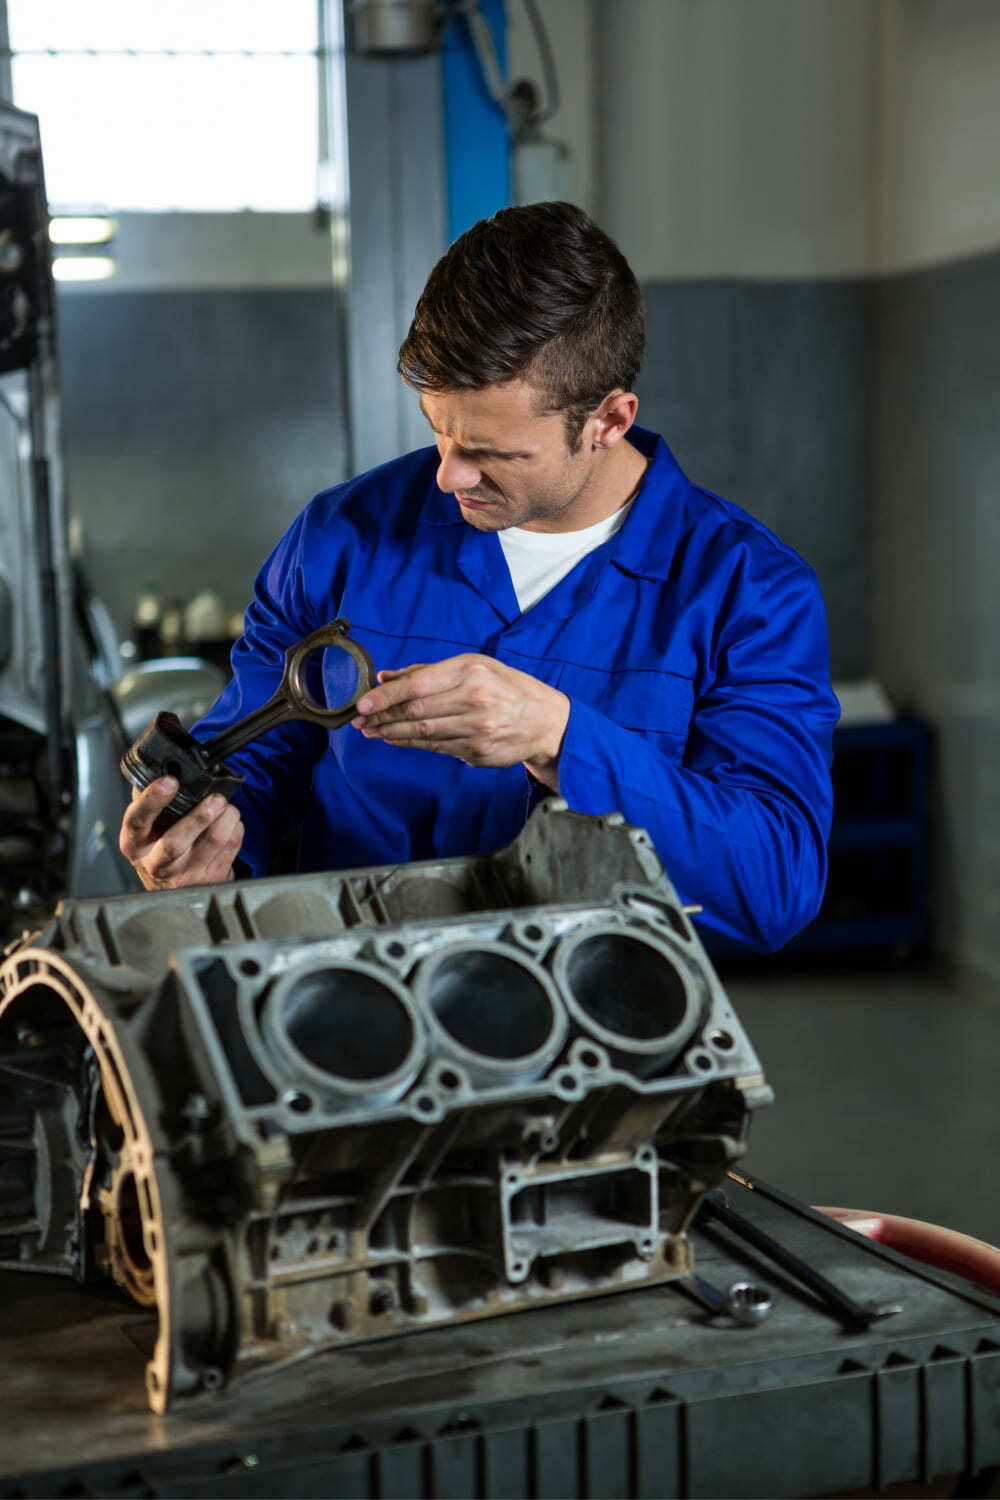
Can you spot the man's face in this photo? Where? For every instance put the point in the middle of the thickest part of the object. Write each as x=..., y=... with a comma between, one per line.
x=506, y=464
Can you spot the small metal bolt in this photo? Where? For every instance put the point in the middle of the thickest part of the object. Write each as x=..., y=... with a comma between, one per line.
x=748, y=1304
x=381, y=1301
x=196, y=1112
x=241, y=1462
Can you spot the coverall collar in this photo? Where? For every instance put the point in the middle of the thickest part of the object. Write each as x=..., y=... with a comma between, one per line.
x=644, y=547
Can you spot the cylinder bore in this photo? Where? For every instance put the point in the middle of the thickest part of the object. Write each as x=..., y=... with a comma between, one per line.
x=629, y=992
x=493, y=1008
x=349, y=1028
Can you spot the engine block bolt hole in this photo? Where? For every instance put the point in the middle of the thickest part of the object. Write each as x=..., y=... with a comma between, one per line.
x=344, y=1316
x=722, y=1041
x=297, y=1101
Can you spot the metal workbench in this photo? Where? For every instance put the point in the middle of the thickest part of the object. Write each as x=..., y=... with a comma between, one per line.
x=640, y=1393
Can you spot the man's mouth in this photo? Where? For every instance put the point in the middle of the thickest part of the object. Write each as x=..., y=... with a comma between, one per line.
x=473, y=501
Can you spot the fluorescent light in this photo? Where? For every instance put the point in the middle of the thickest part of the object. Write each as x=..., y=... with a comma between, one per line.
x=83, y=267
x=79, y=230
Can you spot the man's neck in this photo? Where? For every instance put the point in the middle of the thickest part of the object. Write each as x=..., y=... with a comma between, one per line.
x=613, y=483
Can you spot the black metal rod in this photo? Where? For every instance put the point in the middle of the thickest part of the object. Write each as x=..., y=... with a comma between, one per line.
x=276, y=711
x=839, y=1302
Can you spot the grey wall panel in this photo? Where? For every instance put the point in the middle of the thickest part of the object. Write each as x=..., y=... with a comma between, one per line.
x=935, y=554
x=760, y=390
x=197, y=424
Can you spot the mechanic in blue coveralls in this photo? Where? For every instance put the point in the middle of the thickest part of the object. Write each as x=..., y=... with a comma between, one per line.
x=555, y=608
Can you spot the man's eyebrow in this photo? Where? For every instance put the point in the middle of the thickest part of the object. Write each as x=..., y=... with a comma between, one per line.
x=480, y=450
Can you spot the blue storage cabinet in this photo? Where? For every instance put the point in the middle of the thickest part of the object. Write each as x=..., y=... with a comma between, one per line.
x=878, y=889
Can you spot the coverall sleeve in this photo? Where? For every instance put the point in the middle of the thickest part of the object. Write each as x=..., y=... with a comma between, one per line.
x=279, y=766
x=741, y=822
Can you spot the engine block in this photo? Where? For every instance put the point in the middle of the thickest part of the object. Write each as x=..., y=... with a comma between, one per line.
x=301, y=1112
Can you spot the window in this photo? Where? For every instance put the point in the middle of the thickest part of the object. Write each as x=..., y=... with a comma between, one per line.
x=203, y=105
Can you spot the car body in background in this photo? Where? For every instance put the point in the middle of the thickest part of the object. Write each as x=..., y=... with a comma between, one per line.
x=69, y=701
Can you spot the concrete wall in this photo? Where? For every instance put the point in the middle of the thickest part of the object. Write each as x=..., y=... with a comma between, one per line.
x=939, y=117
x=203, y=398
x=935, y=553
x=760, y=389
x=186, y=251
x=935, y=437
x=735, y=137
x=197, y=424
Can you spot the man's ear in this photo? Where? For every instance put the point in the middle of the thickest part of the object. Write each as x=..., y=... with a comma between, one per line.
x=613, y=418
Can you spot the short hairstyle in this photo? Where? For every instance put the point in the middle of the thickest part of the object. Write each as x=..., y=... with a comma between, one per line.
x=538, y=293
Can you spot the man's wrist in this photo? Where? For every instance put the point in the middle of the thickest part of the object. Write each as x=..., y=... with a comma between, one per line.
x=544, y=763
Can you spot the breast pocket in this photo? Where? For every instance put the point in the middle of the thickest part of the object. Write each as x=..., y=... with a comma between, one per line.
x=658, y=704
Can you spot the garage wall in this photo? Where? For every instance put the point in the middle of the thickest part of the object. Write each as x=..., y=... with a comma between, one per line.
x=939, y=107
x=726, y=147
x=935, y=474
x=203, y=400
x=735, y=138
x=760, y=389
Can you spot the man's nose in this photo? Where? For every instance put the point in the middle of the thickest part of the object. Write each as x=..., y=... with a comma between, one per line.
x=456, y=473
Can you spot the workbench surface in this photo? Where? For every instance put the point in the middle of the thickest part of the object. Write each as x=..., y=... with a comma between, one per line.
x=639, y=1393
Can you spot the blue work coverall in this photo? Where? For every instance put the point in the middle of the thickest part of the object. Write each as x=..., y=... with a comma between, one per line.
x=692, y=646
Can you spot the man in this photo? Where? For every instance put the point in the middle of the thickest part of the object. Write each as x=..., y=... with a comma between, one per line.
x=554, y=608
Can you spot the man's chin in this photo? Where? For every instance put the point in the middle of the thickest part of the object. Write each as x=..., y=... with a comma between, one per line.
x=483, y=514
x=485, y=520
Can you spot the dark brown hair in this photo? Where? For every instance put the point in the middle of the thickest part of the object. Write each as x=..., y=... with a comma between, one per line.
x=538, y=293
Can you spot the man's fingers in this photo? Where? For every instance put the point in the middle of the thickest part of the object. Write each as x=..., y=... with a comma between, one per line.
x=429, y=731
x=218, y=833
x=183, y=854
x=143, y=811
x=420, y=681
x=221, y=866
x=186, y=852
x=177, y=842
x=389, y=674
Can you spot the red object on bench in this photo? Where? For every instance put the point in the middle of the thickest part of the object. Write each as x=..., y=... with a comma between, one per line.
x=945, y=1249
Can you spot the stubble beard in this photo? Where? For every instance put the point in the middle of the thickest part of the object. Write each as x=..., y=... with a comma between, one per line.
x=484, y=520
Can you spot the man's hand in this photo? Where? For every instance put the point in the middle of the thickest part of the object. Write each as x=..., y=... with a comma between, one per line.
x=474, y=708
x=199, y=849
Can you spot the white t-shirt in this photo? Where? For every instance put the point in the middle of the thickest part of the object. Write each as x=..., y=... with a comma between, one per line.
x=539, y=559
